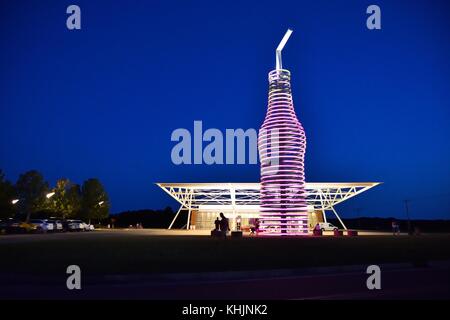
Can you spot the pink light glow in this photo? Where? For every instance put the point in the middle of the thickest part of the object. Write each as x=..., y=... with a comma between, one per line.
x=282, y=144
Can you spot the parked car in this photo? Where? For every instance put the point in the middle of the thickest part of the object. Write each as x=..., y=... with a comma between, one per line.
x=16, y=226
x=42, y=225
x=65, y=225
x=57, y=225
x=88, y=227
x=326, y=226
x=75, y=225
x=270, y=229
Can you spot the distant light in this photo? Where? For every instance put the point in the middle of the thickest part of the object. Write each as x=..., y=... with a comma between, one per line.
x=101, y=202
x=49, y=195
x=15, y=201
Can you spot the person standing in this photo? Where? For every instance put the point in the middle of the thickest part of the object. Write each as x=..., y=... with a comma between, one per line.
x=217, y=224
x=395, y=228
x=224, y=225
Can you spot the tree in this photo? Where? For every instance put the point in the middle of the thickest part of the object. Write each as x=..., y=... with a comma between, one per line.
x=74, y=200
x=7, y=194
x=94, y=203
x=31, y=190
x=66, y=201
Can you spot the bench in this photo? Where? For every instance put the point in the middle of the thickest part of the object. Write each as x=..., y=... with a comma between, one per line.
x=216, y=234
x=236, y=234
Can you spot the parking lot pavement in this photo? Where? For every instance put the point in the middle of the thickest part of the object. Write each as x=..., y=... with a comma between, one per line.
x=35, y=265
x=18, y=238
x=99, y=233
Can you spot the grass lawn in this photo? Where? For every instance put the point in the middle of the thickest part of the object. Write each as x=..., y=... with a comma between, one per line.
x=122, y=252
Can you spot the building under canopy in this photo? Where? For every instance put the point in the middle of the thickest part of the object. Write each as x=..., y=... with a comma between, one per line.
x=240, y=201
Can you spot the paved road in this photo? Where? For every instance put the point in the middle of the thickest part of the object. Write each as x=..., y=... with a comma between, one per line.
x=431, y=282
x=412, y=283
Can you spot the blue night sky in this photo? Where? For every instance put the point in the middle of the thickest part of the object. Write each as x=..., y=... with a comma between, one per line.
x=104, y=100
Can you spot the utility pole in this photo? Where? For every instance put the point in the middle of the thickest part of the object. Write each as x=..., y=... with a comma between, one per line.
x=407, y=214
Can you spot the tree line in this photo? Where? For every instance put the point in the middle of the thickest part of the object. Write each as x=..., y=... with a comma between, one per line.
x=147, y=218
x=32, y=195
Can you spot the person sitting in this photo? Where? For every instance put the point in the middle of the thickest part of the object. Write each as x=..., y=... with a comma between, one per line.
x=254, y=229
x=317, y=230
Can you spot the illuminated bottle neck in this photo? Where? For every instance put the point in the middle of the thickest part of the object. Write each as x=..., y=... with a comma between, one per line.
x=279, y=74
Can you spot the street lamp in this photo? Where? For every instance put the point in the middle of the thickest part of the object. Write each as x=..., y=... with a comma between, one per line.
x=101, y=202
x=15, y=201
x=49, y=195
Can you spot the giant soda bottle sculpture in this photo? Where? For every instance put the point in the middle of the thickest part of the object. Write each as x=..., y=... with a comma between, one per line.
x=281, y=144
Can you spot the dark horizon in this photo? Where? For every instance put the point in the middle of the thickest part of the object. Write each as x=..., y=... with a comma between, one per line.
x=103, y=101
x=331, y=217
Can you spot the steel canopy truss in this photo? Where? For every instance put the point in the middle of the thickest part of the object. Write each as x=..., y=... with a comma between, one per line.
x=244, y=197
